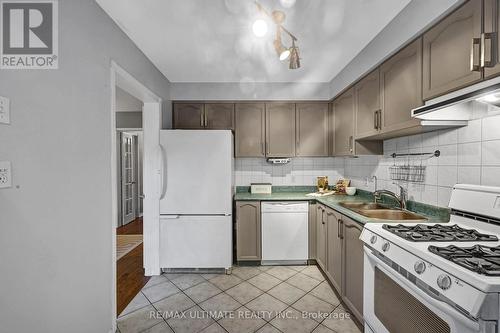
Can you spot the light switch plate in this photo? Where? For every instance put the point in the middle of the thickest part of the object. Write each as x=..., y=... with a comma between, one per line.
x=5, y=174
x=4, y=110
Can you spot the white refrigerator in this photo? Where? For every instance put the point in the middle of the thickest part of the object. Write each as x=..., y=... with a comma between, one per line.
x=196, y=201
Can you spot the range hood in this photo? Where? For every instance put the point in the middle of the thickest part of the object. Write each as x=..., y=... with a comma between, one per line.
x=457, y=108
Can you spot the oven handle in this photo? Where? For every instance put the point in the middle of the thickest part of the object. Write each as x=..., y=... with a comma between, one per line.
x=434, y=300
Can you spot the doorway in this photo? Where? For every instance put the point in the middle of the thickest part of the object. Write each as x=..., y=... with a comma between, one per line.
x=135, y=122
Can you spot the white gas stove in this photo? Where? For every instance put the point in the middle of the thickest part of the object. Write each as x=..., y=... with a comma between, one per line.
x=424, y=277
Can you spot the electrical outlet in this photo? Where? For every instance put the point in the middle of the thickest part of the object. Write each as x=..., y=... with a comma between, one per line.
x=5, y=175
x=4, y=110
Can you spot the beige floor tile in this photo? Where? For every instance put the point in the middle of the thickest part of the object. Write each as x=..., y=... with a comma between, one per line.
x=244, y=292
x=139, y=301
x=266, y=306
x=187, y=281
x=154, y=280
x=264, y=281
x=209, y=276
x=265, y=268
x=286, y=293
x=202, y=291
x=214, y=328
x=225, y=281
x=175, y=303
x=313, y=272
x=246, y=273
x=294, y=322
x=220, y=303
x=159, y=328
x=160, y=291
x=138, y=321
x=281, y=272
x=325, y=292
x=244, y=321
x=322, y=329
x=297, y=268
x=303, y=282
x=268, y=328
x=195, y=320
x=313, y=305
x=341, y=321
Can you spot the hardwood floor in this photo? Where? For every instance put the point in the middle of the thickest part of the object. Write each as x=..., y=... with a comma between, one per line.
x=129, y=269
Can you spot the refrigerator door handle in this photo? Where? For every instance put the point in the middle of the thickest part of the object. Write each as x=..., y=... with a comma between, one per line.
x=163, y=172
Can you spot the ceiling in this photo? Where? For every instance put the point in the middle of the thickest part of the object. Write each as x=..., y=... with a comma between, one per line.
x=212, y=41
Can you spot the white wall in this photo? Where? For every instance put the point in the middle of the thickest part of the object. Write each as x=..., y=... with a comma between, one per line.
x=408, y=24
x=55, y=242
x=250, y=91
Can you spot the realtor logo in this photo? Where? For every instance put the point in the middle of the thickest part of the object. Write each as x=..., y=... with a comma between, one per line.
x=29, y=34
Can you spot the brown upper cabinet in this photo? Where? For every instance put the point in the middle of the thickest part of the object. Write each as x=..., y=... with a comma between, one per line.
x=490, y=40
x=203, y=116
x=344, y=143
x=452, y=51
x=343, y=113
x=189, y=115
x=250, y=130
x=367, y=105
x=313, y=131
x=400, y=90
x=280, y=129
x=219, y=116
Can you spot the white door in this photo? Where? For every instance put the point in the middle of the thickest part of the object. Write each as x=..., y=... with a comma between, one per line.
x=197, y=172
x=128, y=161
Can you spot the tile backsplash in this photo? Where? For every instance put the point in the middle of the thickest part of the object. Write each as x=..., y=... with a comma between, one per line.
x=300, y=171
x=469, y=155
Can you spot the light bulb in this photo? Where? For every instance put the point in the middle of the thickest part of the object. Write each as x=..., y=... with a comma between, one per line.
x=285, y=54
x=259, y=28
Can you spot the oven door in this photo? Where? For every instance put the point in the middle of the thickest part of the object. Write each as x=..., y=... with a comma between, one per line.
x=394, y=304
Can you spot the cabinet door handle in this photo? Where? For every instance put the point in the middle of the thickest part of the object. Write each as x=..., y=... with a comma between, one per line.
x=473, y=66
x=340, y=227
x=351, y=144
x=375, y=120
x=492, y=38
x=206, y=119
x=262, y=149
x=379, y=119
x=201, y=119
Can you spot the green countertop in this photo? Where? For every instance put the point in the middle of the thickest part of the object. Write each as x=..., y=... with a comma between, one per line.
x=434, y=214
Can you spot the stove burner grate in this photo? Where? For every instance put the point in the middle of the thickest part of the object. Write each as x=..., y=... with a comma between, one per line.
x=478, y=258
x=438, y=233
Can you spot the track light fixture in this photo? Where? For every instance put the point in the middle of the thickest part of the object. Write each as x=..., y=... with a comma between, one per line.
x=284, y=53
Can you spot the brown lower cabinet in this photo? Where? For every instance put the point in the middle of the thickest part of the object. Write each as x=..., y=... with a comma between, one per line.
x=352, y=266
x=248, y=231
x=340, y=255
x=334, y=255
x=321, y=234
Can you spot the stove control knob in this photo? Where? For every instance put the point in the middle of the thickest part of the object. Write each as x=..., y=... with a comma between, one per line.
x=386, y=246
x=419, y=267
x=444, y=281
x=373, y=239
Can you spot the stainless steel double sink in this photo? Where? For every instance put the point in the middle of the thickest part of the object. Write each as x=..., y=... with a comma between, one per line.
x=380, y=212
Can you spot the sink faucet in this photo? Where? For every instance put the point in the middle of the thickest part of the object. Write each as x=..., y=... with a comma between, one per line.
x=401, y=199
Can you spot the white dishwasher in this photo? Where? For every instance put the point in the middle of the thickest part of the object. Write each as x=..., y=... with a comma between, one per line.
x=285, y=232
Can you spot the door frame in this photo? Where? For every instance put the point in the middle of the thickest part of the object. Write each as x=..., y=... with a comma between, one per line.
x=151, y=120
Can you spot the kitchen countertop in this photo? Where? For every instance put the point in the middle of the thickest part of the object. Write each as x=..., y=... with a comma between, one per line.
x=434, y=214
